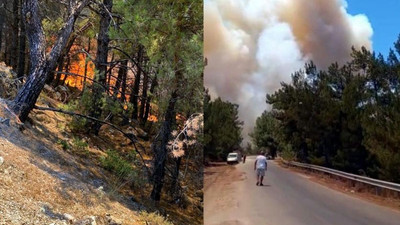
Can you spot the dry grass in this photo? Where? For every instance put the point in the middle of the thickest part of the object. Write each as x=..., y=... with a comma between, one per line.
x=154, y=219
x=39, y=181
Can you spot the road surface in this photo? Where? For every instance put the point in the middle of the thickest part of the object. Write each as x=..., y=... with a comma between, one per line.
x=287, y=198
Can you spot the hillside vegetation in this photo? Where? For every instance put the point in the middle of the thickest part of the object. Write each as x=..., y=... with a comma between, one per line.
x=101, y=105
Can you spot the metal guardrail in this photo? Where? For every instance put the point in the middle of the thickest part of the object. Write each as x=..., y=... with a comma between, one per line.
x=353, y=177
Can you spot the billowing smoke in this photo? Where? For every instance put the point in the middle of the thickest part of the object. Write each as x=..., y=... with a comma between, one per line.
x=253, y=45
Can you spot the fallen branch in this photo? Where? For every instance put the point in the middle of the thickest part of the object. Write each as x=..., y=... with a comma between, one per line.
x=130, y=136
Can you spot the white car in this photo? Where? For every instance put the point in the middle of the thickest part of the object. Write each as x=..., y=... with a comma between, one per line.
x=233, y=157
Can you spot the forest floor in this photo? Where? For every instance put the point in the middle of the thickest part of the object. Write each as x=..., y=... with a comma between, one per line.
x=42, y=182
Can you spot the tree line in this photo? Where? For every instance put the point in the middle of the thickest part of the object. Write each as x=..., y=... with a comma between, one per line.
x=146, y=58
x=222, y=128
x=345, y=117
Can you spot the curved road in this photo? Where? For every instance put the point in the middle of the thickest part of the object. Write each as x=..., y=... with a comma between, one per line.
x=287, y=198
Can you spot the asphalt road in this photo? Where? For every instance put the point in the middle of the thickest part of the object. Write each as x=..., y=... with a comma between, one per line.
x=287, y=198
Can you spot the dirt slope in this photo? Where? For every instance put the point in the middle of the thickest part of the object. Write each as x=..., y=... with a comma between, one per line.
x=42, y=184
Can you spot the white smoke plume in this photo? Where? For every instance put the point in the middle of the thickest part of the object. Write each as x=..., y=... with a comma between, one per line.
x=252, y=46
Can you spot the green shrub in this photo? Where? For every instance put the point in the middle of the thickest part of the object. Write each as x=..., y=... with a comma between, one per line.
x=80, y=146
x=64, y=144
x=319, y=161
x=82, y=106
x=116, y=164
x=288, y=153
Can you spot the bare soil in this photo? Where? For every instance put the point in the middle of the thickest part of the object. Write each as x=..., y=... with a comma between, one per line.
x=221, y=191
x=40, y=182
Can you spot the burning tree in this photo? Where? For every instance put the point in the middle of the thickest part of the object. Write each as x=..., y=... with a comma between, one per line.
x=42, y=64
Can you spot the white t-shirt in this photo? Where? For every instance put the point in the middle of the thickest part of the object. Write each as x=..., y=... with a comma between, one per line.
x=261, y=162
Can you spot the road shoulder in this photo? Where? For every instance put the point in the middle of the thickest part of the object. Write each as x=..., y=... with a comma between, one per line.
x=343, y=187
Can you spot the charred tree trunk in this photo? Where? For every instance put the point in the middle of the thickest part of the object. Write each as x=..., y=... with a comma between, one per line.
x=144, y=96
x=22, y=46
x=175, y=176
x=2, y=20
x=121, y=79
x=65, y=52
x=6, y=30
x=124, y=77
x=14, y=35
x=110, y=71
x=101, y=63
x=60, y=61
x=7, y=46
x=86, y=65
x=41, y=66
x=60, y=66
x=160, y=149
x=66, y=70
x=148, y=101
x=27, y=60
x=136, y=85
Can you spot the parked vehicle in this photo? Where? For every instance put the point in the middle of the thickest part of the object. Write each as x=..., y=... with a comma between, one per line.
x=233, y=157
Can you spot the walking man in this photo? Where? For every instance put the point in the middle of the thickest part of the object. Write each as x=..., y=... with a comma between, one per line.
x=260, y=165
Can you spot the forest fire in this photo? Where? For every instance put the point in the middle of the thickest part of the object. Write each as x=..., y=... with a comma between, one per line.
x=80, y=65
x=152, y=118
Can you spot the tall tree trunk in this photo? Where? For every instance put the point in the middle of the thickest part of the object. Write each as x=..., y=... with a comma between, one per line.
x=124, y=77
x=2, y=19
x=144, y=96
x=136, y=85
x=41, y=66
x=121, y=78
x=22, y=46
x=27, y=60
x=175, y=176
x=7, y=46
x=110, y=71
x=148, y=100
x=64, y=53
x=101, y=63
x=60, y=67
x=6, y=31
x=160, y=148
x=86, y=65
x=60, y=61
x=66, y=68
x=14, y=35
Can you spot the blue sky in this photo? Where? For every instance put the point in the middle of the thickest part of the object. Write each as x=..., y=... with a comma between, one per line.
x=384, y=17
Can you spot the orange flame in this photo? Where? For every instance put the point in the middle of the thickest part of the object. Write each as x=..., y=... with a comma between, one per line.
x=152, y=118
x=77, y=66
